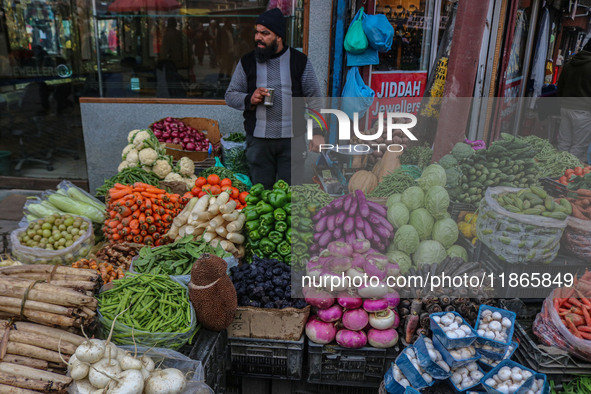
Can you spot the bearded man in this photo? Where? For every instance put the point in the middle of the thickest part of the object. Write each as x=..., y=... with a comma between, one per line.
x=272, y=68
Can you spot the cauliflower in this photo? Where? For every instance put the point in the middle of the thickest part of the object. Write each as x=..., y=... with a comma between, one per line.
x=186, y=166
x=190, y=181
x=123, y=165
x=141, y=137
x=147, y=168
x=126, y=151
x=162, y=168
x=148, y=156
x=173, y=177
x=131, y=135
x=132, y=157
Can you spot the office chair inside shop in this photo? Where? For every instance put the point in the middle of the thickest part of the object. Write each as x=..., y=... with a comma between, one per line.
x=28, y=123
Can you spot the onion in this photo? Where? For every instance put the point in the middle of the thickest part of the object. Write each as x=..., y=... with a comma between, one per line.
x=158, y=133
x=319, y=331
x=382, y=339
x=349, y=301
x=375, y=305
x=383, y=320
x=190, y=146
x=355, y=319
x=351, y=339
x=175, y=134
x=330, y=315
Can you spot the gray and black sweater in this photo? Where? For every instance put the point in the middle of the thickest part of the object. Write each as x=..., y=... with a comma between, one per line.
x=290, y=73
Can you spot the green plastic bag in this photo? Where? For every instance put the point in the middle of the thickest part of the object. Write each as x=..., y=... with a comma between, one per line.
x=355, y=40
x=241, y=177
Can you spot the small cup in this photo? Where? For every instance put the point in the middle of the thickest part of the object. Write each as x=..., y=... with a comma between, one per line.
x=269, y=99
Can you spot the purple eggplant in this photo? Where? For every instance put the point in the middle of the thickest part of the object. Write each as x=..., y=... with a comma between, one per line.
x=330, y=222
x=377, y=208
x=350, y=238
x=325, y=239
x=383, y=233
x=321, y=225
x=359, y=223
x=362, y=203
x=368, y=231
x=377, y=219
x=320, y=214
x=336, y=205
x=349, y=225
x=337, y=233
x=340, y=219
x=347, y=203
x=353, y=209
x=317, y=236
x=359, y=234
x=375, y=238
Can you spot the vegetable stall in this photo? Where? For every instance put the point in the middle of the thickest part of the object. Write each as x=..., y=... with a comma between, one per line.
x=177, y=269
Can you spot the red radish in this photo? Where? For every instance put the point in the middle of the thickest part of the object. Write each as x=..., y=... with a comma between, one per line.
x=351, y=339
x=319, y=331
x=375, y=305
x=355, y=319
x=348, y=301
x=382, y=339
x=330, y=315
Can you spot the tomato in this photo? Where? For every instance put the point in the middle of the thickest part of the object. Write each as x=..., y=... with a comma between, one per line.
x=226, y=188
x=226, y=182
x=213, y=179
x=568, y=173
x=578, y=171
x=201, y=194
x=216, y=190
x=200, y=181
x=586, y=170
x=196, y=190
x=235, y=193
x=563, y=180
x=206, y=188
x=242, y=197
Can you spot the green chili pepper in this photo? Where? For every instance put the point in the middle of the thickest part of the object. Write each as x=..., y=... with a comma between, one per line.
x=265, y=229
x=279, y=214
x=251, y=215
x=284, y=248
x=281, y=226
x=267, y=246
x=265, y=195
x=287, y=259
x=276, y=256
x=267, y=218
x=254, y=235
x=258, y=252
x=281, y=185
x=300, y=248
x=252, y=225
x=287, y=208
x=256, y=190
x=277, y=198
x=263, y=208
x=276, y=236
x=251, y=200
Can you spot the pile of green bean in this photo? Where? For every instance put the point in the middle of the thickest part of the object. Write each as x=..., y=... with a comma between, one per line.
x=128, y=176
x=310, y=194
x=551, y=162
x=395, y=182
x=156, y=307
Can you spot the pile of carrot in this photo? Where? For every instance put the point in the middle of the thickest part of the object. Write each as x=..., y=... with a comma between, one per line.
x=582, y=204
x=140, y=213
x=107, y=271
x=574, y=307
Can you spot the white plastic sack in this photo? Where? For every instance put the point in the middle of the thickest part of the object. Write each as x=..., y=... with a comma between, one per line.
x=577, y=238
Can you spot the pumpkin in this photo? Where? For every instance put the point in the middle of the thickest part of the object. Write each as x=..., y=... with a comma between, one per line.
x=364, y=181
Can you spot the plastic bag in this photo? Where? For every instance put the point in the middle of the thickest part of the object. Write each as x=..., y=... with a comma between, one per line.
x=355, y=39
x=550, y=329
x=357, y=96
x=241, y=177
x=167, y=358
x=514, y=237
x=234, y=156
x=122, y=333
x=379, y=32
x=369, y=57
x=67, y=256
x=577, y=238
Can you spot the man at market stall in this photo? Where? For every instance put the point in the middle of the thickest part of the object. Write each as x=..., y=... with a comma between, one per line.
x=269, y=131
x=574, y=88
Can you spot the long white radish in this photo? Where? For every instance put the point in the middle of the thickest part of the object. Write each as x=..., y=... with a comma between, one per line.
x=237, y=224
x=230, y=217
x=228, y=207
x=235, y=238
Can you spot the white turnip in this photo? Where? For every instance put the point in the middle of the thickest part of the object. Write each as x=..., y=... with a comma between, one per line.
x=130, y=381
x=167, y=381
x=102, y=372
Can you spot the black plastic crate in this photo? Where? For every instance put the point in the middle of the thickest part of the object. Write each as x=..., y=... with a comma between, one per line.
x=335, y=365
x=266, y=358
x=210, y=348
x=554, y=188
x=304, y=387
x=455, y=208
x=472, y=249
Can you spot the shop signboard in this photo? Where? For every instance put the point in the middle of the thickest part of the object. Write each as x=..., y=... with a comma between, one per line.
x=396, y=91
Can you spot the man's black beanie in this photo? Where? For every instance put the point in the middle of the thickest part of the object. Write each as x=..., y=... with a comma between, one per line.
x=274, y=21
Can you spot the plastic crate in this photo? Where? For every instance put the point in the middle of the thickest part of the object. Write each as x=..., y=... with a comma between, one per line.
x=455, y=208
x=266, y=358
x=511, y=364
x=210, y=348
x=451, y=343
x=554, y=188
x=502, y=347
x=335, y=365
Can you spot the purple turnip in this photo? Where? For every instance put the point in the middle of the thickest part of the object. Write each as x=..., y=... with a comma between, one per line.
x=330, y=315
x=379, y=305
x=351, y=339
x=382, y=339
x=319, y=331
x=340, y=249
x=355, y=319
x=318, y=298
x=349, y=301
x=361, y=245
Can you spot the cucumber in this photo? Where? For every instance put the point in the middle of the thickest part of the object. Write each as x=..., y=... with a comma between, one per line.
x=549, y=203
x=512, y=208
x=539, y=191
x=533, y=211
x=555, y=215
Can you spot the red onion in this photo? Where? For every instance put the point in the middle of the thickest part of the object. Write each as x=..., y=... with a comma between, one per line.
x=190, y=146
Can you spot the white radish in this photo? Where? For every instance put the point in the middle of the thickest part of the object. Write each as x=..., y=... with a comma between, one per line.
x=167, y=381
x=127, y=382
x=78, y=370
x=145, y=373
x=102, y=372
x=229, y=207
x=148, y=363
x=90, y=351
x=129, y=362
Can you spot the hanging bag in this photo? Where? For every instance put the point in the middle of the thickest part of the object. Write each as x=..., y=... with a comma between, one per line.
x=379, y=32
x=357, y=96
x=355, y=39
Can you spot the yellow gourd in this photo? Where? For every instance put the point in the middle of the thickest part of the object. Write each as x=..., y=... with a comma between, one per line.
x=363, y=180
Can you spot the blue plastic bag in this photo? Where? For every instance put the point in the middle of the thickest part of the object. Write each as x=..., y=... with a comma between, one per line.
x=357, y=96
x=355, y=39
x=369, y=57
x=379, y=32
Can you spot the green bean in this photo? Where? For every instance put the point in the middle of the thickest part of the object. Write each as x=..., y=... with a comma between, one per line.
x=395, y=182
x=128, y=176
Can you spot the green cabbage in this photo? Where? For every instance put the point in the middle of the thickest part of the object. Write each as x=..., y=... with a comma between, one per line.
x=391, y=247
x=407, y=239
x=413, y=197
x=434, y=175
x=429, y=252
x=423, y=222
x=453, y=176
x=462, y=151
x=402, y=259
x=457, y=251
x=398, y=215
x=437, y=201
x=394, y=198
x=446, y=232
